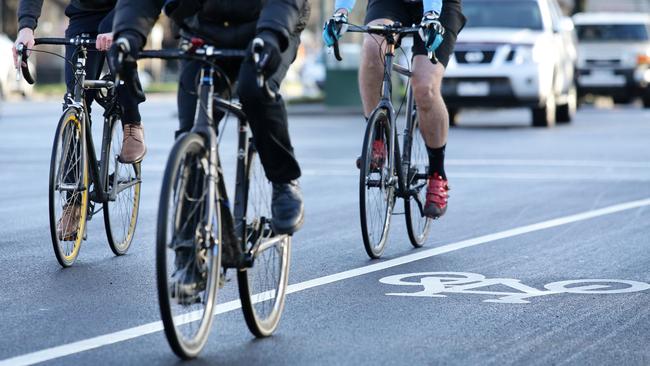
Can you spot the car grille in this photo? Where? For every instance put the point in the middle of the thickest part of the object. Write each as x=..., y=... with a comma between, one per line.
x=603, y=62
x=498, y=85
x=474, y=56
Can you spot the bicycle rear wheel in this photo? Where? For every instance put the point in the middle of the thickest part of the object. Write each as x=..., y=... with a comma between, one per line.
x=262, y=287
x=376, y=184
x=123, y=185
x=68, y=188
x=184, y=199
x=417, y=225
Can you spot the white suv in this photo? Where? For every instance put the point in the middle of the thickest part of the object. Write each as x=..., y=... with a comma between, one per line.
x=614, y=55
x=514, y=53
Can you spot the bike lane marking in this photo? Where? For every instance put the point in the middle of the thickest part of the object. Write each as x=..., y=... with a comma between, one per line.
x=153, y=327
x=437, y=284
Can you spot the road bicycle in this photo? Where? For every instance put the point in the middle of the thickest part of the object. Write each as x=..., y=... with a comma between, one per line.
x=401, y=175
x=195, y=211
x=78, y=180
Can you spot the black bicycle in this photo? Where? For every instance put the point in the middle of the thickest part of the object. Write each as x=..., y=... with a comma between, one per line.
x=73, y=190
x=195, y=212
x=395, y=174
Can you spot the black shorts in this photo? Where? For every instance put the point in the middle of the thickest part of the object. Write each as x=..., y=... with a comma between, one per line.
x=409, y=13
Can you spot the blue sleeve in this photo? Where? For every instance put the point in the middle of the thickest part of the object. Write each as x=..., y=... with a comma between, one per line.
x=432, y=5
x=345, y=4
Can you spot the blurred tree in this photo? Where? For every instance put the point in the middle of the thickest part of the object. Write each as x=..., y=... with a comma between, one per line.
x=579, y=6
x=8, y=21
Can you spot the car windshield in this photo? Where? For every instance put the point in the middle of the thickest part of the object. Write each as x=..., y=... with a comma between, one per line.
x=612, y=32
x=503, y=14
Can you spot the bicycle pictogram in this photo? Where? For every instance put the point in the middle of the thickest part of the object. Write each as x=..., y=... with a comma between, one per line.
x=439, y=284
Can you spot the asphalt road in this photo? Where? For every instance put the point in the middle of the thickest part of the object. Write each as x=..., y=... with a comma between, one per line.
x=530, y=209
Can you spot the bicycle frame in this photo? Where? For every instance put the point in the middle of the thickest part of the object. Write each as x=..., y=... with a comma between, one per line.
x=234, y=228
x=386, y=103
x=98, y=168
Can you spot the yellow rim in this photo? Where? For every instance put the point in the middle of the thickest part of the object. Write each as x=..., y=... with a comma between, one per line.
x=84, y=203
x=134, y=215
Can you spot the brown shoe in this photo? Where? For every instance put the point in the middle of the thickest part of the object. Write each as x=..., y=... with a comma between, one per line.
x=133, y=148
x=68, y=225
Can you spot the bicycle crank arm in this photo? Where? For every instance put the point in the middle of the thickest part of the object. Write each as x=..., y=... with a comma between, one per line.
x=66, y=187
x=264, y=245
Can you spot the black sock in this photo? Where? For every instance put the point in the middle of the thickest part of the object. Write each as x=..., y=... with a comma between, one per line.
x=437, y=161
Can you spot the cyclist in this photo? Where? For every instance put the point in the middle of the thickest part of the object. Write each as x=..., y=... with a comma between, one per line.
x=94, y=18
x=229, y=24
x=441, y=21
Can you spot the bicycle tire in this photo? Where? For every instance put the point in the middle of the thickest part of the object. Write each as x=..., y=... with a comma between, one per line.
x=121, y=215
x=262, y=287
x=68, y=153
x=415, y=153
x=375, y=223
x=187, y=154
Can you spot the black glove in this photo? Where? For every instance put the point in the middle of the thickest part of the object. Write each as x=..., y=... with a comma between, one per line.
x=124, y=51
x=267, y=57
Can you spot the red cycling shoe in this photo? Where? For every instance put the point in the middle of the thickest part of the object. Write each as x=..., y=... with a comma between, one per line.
x=378, y=155
x=437, y=197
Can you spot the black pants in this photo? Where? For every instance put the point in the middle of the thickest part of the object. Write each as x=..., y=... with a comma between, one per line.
x=267, y=117
x=130, y=94
x=407, y=13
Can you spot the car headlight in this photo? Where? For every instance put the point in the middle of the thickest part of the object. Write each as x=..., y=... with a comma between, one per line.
x=527, y=54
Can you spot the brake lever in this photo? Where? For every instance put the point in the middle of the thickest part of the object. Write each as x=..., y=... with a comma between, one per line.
x=433, y=58
x=337, y=51
x=19, y=51
x=258, y=47
x=23, y=67
x=123, y=47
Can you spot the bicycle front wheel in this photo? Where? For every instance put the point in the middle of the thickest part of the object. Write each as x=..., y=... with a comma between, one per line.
x=263, y=287
x=376, y=183
x=68, y=188
x=184, y=248
x=123, y=187
x=417, y=225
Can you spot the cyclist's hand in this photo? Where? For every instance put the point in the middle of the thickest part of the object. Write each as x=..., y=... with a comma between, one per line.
x=432, y=32
x=268, y=56
x=104, y=41
x=124, y=51
x=335, y=27
x=25, y=37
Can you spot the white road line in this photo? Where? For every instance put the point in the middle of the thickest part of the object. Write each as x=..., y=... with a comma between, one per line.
x=500, y=175
x=139, y=331
x=514, y=162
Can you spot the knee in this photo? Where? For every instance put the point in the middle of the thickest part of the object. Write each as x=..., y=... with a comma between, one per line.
x=425, y=93
x=371, y=54
x=426, y=90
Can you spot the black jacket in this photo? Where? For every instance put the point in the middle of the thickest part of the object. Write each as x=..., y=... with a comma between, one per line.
x=30, y=10
x=227, y=23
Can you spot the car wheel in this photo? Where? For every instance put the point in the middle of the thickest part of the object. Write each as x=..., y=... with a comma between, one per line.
x=565, y=112
x=453, y=117
x=545, y=116
x=646, y=99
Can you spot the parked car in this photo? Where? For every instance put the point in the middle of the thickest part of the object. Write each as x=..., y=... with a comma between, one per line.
x=514, y=53
x=614, y=57
x=8, y=83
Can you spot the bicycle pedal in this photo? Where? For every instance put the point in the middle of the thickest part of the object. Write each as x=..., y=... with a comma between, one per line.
x=398, y=213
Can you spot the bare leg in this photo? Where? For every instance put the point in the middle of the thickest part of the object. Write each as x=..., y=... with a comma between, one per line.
x=371, y=70
x=434, y=118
